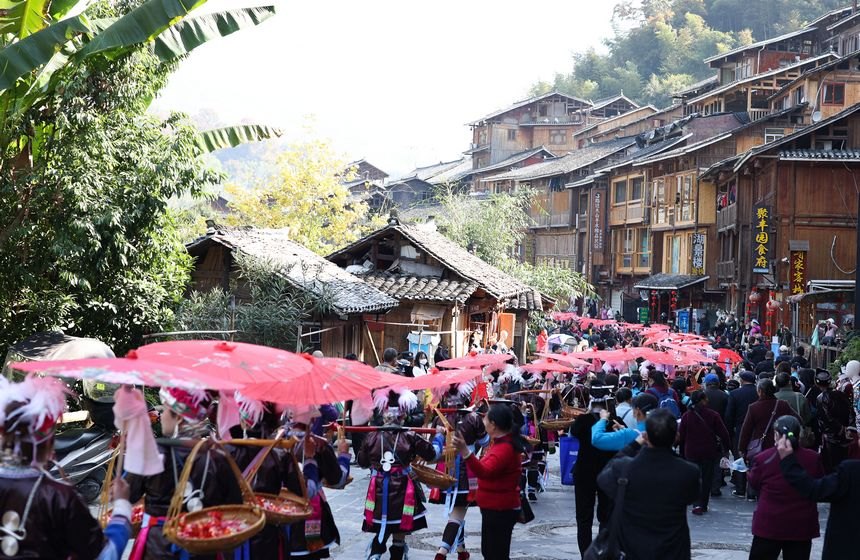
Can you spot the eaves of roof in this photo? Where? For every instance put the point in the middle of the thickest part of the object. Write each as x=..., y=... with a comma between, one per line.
x=759, y=44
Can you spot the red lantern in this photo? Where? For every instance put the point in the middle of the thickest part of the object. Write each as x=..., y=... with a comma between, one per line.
x=773, y=305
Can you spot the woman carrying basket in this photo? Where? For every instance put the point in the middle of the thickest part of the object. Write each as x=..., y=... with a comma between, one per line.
x=43, y=517
x=395, y=504
x=457, y=499
x=320, y=464
x=212, y=482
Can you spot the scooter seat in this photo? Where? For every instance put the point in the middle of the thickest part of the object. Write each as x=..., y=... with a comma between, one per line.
x=76, y=439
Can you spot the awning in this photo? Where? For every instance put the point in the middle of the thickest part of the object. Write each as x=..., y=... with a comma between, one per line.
x=669, y=281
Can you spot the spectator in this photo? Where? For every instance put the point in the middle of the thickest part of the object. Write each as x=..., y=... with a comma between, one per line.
x=421, y=366
x=718, y=400
x=834, y=417
x=617, y=440
x=799, y=358
x=389, y=362
x=841, y=489
x=664, y=394
x=766, y=365
x=795, y=400
x=703, y=439
x=755, y=329
x=624, y=408
x=679, y=385
x=784, y=356
x=589, y=463
x=661, y=486
x=498, y=474
x=784, y=520
x=758, y=425
x=829, y=333
x=757, y=351
x=738, y=402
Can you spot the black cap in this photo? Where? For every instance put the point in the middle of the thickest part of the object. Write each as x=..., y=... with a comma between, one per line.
x=822, y=376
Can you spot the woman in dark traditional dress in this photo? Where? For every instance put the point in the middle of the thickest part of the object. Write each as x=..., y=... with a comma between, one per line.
x=395, y=503
x=457, y=499
x=43, y=517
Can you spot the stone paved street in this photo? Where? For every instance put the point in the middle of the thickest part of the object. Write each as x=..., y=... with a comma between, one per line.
x=723, y=533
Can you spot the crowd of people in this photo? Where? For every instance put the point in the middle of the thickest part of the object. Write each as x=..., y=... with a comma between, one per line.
x=657, y=439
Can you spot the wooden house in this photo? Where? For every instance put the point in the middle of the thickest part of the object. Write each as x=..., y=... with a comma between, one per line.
x=516, y=161
x=443, y=290
x=824, y=90
x=340, y=331
x=367, y=183
x=788, y=215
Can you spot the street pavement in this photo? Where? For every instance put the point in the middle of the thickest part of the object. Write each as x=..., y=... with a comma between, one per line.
x=722, y=533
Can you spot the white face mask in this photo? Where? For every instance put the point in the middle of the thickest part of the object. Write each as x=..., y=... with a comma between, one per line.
x=423, y=362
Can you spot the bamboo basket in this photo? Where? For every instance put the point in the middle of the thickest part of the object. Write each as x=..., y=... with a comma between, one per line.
x=553, y=424
x=571, y=412
x=431, y=476
x=285, y=507
x=247, y=513
x=104, y=511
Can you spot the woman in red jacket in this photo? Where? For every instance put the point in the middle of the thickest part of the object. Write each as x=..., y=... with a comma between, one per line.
x=498, y=473
x=703, y=438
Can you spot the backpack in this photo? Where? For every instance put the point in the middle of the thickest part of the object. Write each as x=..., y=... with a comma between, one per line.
x=667, y=401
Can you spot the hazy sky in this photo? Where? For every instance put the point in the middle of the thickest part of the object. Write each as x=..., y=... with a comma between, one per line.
x=390, y=81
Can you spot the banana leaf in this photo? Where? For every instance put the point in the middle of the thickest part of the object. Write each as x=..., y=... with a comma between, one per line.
x=22, y=18
x=190, y=33
x=231, y=136
x=140, y=25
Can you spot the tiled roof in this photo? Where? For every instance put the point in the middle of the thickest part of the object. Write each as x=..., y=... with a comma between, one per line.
x=529, y=301
x=663, y=281
x=453, y=174
x=453, y=257
x=840, y=155
x=302, y=267
x=600, y=103
x=565, y=164
x=525, y=102
x=759, y=45
x=416, y=288
x=513, y=160
x=645, y=151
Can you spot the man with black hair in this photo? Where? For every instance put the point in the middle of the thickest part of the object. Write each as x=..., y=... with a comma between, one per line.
x=766, y=365
x=799, y=358
x=389, y=362
x=653, y=518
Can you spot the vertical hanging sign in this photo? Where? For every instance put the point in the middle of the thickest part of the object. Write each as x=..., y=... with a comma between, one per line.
x=598, y=209
x=797, y=273
x=762, y=245
x=698, y=257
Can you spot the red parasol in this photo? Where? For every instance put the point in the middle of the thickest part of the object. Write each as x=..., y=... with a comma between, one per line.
x=611, y=356
x=564, y=358
x=678, y=358
x=549, y=366
x=327, y=380
x=474, y=360
x=440, y=379
x=232, y=361
x=560, y=316
x=587, y=321
x=128, y=371
x=729, y=355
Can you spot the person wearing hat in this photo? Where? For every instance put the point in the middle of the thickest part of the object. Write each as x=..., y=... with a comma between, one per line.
x=784, y=355
x=41, y=516
x=588, y=465
x=394, y=506
x=755, y=329
x=830, y=330
x=841, y=489
x=834, y=416
x=784, y=521
x=184, y=415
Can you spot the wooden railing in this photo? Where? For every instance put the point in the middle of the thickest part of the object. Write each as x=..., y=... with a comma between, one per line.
x=756, y=114
x=727, y=218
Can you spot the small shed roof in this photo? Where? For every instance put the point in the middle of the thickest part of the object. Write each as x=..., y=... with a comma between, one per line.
x=302, y=267
x=566, y=164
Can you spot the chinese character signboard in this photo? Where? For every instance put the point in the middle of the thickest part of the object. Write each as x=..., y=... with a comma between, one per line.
x=698, y=257
x=762, y=246
x=598, y=219
x=797, y=273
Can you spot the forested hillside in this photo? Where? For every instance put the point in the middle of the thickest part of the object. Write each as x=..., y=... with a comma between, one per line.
x=658, y=45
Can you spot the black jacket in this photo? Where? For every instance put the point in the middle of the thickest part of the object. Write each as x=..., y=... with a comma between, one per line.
x=654, y=515
x=842, y=490
x=590, y=460
x=736, y=411
x=718, y=401
x=764, y=366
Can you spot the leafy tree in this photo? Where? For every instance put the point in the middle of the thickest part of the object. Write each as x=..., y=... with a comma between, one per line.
x=305, y=194
x=86, y=242
x=270, y=313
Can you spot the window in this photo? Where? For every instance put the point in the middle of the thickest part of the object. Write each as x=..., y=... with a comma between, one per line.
x=636, y=188
x=632, y=248
x=644, y=255
x=627, y=249
x=512, y=135
x=619, y=188
x=772, y=134
x=557, y=137
x=799, y=96
x=687, y=199
x=834, y=94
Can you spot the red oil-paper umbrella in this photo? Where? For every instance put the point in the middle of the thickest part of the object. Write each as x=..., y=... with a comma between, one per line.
x=474, y=360
x=232, y=361
x=440, y=378
x=327, y=380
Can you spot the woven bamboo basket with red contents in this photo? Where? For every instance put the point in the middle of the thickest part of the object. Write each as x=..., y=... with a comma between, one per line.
x=105, y=512
x=240, y=521
x=285, y=507
x=431, y=476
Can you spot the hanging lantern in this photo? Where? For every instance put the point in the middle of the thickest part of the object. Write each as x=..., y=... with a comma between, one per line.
x=755, y=297
x=773, y=305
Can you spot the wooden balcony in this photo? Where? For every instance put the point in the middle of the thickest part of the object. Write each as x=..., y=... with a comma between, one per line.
x=622, y=214
x=726, y=271
x=727, y=218
x=552, y=220
x=756, y=114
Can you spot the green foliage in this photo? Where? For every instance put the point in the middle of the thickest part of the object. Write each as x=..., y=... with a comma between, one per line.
x=270, y=313
x=494, y=228
x=659, y=45
x=851, y=351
